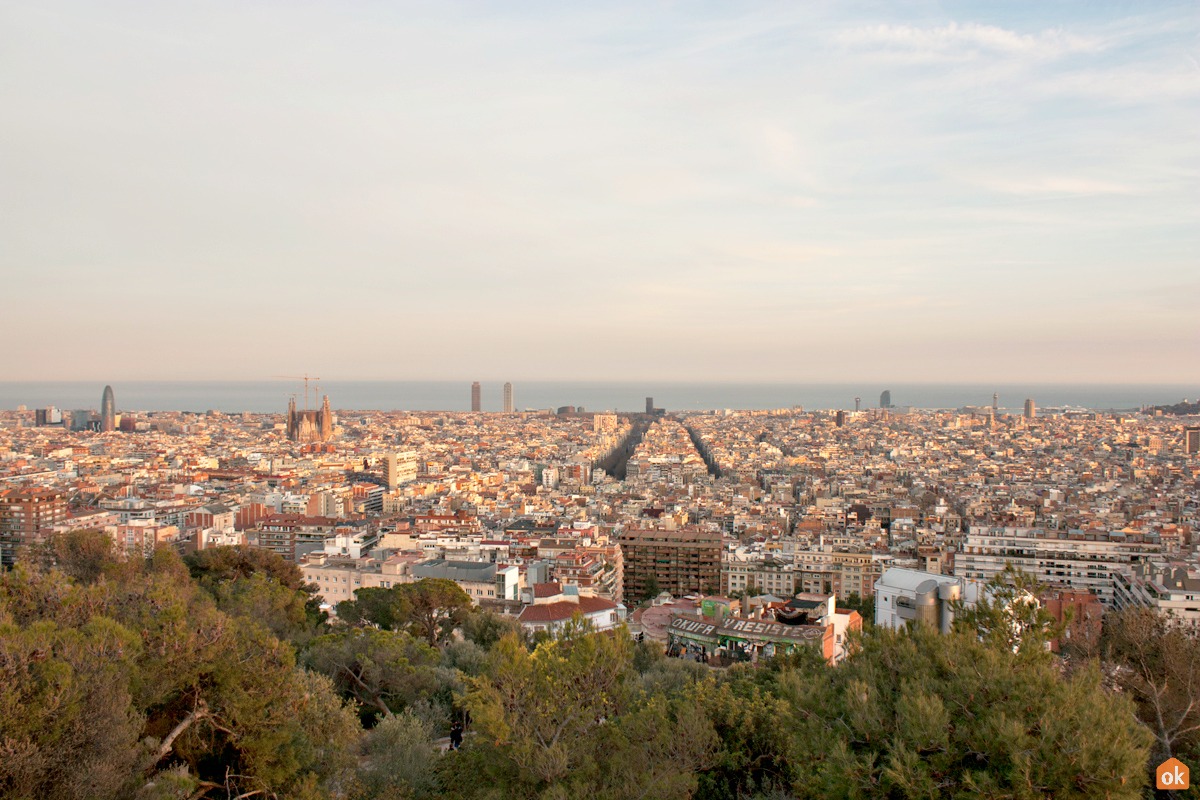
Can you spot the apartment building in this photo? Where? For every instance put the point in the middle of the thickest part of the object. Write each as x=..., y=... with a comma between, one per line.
x=138, y=538
x=293, y=535
x=24, y=514
x=338, y=578
x=1075, y=559
x=399, y=468
x=1171, y=588
x=843, y=573
x=682, y=562
x=766, y=575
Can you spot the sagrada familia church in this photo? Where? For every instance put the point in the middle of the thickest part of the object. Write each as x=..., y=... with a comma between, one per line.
x=309, y=426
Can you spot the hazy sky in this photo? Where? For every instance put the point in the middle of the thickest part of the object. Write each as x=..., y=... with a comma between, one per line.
x=788, y=192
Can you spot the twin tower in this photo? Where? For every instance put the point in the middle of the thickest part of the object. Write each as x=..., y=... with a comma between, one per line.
x=477, y=398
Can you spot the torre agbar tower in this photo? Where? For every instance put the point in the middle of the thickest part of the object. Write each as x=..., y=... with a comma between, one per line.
x=108, y=411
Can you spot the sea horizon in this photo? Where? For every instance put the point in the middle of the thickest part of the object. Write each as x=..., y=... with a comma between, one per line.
x=625, y=396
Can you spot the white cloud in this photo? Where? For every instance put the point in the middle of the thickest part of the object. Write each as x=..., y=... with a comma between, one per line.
x=1140, y=85
x=957, y=41
x=1054, y=184
x=784, y=252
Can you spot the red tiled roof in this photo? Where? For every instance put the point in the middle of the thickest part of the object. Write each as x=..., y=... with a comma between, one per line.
x=565, y=609
x=546, y=589
x=591, y=605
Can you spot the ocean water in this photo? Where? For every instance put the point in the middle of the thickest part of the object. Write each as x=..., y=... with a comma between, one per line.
x=272, y=396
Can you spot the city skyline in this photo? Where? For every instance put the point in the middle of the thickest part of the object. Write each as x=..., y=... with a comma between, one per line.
x=50, y=398
x=987, y=193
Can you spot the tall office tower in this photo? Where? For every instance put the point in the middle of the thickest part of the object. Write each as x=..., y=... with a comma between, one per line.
x=508, y=399
x=476, y=397
x=649, y=405
x=1191, y=440
x=857, y=404
x=885, y=399
x=995, y=401
x=1030, y=408
x=840, y=419
x=108, y=411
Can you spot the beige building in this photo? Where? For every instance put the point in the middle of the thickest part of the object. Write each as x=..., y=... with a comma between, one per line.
x=337, y=578
x=399, y=468
x=139, y=537
x=766, y=575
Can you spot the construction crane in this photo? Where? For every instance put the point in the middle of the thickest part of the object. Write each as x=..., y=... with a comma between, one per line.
x=306, y=378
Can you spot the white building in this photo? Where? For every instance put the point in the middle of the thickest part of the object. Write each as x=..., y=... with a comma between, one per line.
x=550, y=611
x=1085, y=560
x=337, y=575
x=903, y=596
x=348, y=544
x=482, y=580
x=294, y=504
x=764, y=573
x=214, y=537
x=1172, y=588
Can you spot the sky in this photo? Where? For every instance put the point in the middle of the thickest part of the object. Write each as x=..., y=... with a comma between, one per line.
x=924, y=191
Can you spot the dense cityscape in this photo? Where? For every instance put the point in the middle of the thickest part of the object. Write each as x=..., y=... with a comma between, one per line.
x=786, y=500
x=726, y=538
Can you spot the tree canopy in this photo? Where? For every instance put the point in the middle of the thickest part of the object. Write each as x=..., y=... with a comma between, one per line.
x=431, y=608
x=118, y=687
x=1156, y=662
x=207, y=678
x=1008, y=613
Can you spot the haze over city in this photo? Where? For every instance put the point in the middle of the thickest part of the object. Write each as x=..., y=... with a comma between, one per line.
x=751, y=192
